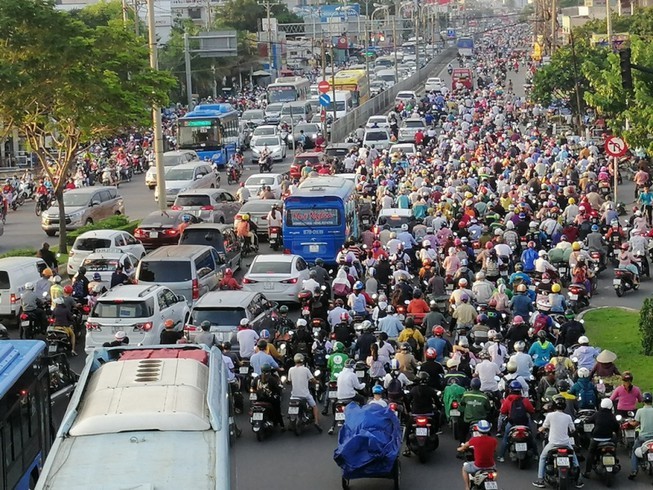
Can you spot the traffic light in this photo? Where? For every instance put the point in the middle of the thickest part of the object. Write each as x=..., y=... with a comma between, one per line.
x=626, y=73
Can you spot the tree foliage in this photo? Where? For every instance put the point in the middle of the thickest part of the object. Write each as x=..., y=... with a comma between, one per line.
x=64, y=83
x=244, y=15
x=646, y=326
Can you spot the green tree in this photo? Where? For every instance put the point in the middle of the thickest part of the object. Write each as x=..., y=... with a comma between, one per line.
x=64, y=84
x=244, y=15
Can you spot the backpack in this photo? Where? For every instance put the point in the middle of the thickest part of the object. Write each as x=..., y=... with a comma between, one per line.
x=540, y=323
x=394, y=389
x=518, y=414
x=550, y=392
x=561, y=370
x=78, y=289
x=340, y=289
x=587, y=396
x=319, y=354
x=413, y=344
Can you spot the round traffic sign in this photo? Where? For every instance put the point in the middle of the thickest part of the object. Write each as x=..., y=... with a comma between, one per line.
x=324, y=86
x=615, y=146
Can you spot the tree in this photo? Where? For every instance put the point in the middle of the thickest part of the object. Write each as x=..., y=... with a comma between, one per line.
x=64, y=84
x=243, y=15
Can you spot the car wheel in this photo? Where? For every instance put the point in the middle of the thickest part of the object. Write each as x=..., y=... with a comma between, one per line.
x=117, y=213
x=89, y=221
x=151, y=187
x=50, y=233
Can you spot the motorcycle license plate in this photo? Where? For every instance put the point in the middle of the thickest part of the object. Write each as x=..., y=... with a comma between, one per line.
x=422, y=431
x=314, y=249
x=244, y=370
x=293, y=410
x=521, y=447
x=616, y=282
x=273, y=235
x=340, y=415
x=154, y=234
x=649, y=456
x=52, y=349
x=588, y=427
x=257, y=416
x=333, y=394
x=491, y=485
x=561, y=271
x=454, y=413
x=609, y=461
x=562, y=462
x=630, y=433
x=360, y=374
x=573, y=296
x=252, y=396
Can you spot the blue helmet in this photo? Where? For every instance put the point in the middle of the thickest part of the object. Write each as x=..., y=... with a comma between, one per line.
x=475, y=384
x=515, y=386
x=265, y=334
x=483, y=426
x=377, y=390
x=358, y=285
x=595, y=228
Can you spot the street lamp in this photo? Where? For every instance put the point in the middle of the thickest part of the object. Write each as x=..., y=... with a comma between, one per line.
x=378, y=7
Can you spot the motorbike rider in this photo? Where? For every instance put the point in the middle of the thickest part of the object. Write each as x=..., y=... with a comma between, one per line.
x=516, y=409
x=542, y=350
x=560, y=425
x=585, y=354
x=482, y=288
x=475, y=407
x=439, y=344
x=424, y=400
x=299, y=376
x=628, y=260
x=585, y=391
x=56, y=290
x=49, y=257
x=606, y=428
x=348, y=384
x=377, y=396
x=63, y=320
x=523, y=361
x=433, y=368
x=32, y=305
x=484, y=447
x=246, y=231
x=228, y=281
x=521, y=303
x=243, y=193
x=644, y=422
x=269, y=390
x=571, y=330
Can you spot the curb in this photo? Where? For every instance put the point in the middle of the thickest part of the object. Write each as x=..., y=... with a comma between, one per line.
x=626, y=308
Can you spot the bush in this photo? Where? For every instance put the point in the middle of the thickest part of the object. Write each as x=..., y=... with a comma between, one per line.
x=118, y=222
x=19, y=252
x=646, y=326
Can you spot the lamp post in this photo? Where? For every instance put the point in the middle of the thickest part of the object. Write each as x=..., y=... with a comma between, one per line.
x=379, y=8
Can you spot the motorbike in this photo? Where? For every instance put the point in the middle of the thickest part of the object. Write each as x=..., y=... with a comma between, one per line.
x=42, y=204
x=265, y=164
x=559, y=472
x=249, y=247
x=422, y=439
x=624, y=280
x=62, y=378
x=58, y=341
x=300, y=415
x=627, y=426
x=29, y=325
x=644, y=455
x=606, y=464
x=332, y=396
x=455, y=420
x=583, y=432
x=260, y=415
x=577, y=297
x=598, y=262
x=233, y=175
x=274, y=237
x=518, y=445
x=484, y=480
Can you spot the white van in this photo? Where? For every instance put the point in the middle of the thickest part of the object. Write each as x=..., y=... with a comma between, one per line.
x=344, y=104
x=14, y=273
x=387, y=76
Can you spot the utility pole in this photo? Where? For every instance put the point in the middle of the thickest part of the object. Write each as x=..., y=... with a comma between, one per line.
x=333, y=82
x=189, y=78
x=208, y=15
x=124, y=13
x=268, y=8
x=156, y=111
x=608, y=23
x=394, y=37
x=136, y=18
x=554, y=24
x=323, y=54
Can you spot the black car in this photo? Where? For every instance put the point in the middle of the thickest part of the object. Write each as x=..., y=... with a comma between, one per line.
x=221, y=237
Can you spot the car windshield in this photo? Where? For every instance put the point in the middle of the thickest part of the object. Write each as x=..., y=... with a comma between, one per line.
x=158, y=219
x=90, y=244
x=179, y=174
x=191, y=200
x=165, y=271
x=258, y=206
x=100, y=265
x=218, y=316
x=257, y=181
x=264, y=131
x=123, y=309
x=273, y=108
x=307, y=128
x=394, y=221
x=376, y=136
x=200, y=236
x=296, y=111
x=261, y=267
x=413, y=123
x=376, y=120
x=249, y=115
x=266, y=141
x=404, y=95
x=170, y=161
x=73, y=200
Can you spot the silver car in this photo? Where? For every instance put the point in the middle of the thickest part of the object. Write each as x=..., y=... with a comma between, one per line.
x=273, y=143
x=196, y=175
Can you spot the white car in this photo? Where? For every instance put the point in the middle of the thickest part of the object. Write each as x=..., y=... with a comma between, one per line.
x=196, y=175
x=256, y=181
x=379, y=137
x=254, y=116
x=170, y=159
x=405, y=96
x=407, y=148
x=379, y=121
x=89, y=242
x=105, y=262
x=274, y=144
x=378, y=86
x=433, y=84
x=279, y=277
x=394, y=218
x=265, y=130
x=138, y=310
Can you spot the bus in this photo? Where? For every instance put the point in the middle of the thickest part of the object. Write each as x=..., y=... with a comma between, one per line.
x=343, y=104
x=153, y=417
x=465, y=46
x=319, y=217
x=289, y=89
x=355, y=81
x=211, y=130
x=462, y=77
x=25, y=413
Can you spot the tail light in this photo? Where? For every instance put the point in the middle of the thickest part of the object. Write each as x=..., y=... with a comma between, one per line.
x=248, y=281
x=520, y=434
x=145, y=327
x=176, y=208
x=86, y=309
x=422, y=421
x=340, y=408
x=92, y=326
x=290, y=281
x=562, y=450
x=170, y=232
x=618, y=273
x=454, y=405
x=13, y=299
x=286, y=251
x=649, y=447
x=393, y=407
x=51, y=321
x=196, y=289
x=139, y=233
x=595, y=255
x=574, y=290
x=492, y=475
x=24, y=316
x=207, y=208
x=190, y=328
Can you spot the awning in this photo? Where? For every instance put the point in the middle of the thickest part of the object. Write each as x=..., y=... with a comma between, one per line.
x=260, y=73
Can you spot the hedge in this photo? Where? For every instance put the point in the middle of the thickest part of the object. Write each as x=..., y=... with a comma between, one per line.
x=117, y=222
x=19, y=252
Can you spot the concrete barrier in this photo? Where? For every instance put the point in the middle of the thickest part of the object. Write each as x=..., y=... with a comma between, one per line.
x=385, y=100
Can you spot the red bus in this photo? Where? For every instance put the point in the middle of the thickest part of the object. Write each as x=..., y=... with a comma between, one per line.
x=462, y=76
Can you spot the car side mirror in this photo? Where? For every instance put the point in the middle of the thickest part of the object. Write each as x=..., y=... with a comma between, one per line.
x=181, y=298
x=94, y=203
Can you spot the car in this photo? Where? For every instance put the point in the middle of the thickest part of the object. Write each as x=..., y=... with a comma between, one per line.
x=105, y=261
x=157, y=229
x=406, y=148
x=256, y=181
x=265, y=130
x=273, y=113
x=83, y=206
x=87, y=243
x=409, y=127
x=405, y=96
x=394, y=218
x=15, y=272
x=187, y=176
x=311, y=130
x=339, y=150
x=279, y=277
x=225, y=310
x=212, y=205
x=378, y=121
x=379, y=137
x=258, y=210
x=170, y=159
x=433, y=84
x=254, y=116
x=314, y=157
x=221, y=237
x=377, y=86
x=274, y=144
x=136, y=309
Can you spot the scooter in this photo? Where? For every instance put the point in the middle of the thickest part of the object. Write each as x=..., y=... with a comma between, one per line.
x=233, y=175
x=583, y=432
x=559, y=472
x=300, y=415
x=644, y=455
x=624, y=280
x=265, y=164
x=577, y=297
x=518, y=448
x=606, y=464
x=274, y=237
x=422, y=439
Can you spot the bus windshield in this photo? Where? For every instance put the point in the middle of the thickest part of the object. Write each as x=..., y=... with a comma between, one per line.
x=204, y=137
x=301, y=217
x=340, y=106
x=281, y=94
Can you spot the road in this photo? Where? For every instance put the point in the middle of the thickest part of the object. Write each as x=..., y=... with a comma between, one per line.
x=306, y=462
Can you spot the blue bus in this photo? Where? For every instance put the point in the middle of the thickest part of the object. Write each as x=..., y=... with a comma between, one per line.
x=211, y=130
x=25, y=416
x=465, y=46
x=319, y=217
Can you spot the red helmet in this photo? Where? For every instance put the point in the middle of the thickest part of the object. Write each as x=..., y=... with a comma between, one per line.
x=549, y=368
x=489, y=245
x=68, y=289
x=625, y=246
x=457, y=242
x=376, y=244
x=531, y=244
x=431, y=354
x=518, y=320
x=438, y=330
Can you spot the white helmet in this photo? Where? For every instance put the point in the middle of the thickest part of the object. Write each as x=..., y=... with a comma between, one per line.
x=301, y=322
x=583, y=340
x=541, y=253
x=606, y=403
x=510, y=225
x=519, y=346
x=426, y=243
x=29, y=285
x=480, y=276
x=583, y=373
x=532, y=224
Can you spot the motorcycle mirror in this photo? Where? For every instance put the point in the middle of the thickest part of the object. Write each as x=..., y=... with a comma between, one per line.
x=619, y=418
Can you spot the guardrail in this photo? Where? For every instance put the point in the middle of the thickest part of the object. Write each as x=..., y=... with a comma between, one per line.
x=385, y=100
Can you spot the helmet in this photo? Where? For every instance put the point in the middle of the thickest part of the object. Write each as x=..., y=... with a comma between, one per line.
x=519, y=346
x=299, y=358
x=301, y=323
x=205, y=325
x=186, y=218
x=344, y=316
x=521, y=288
x=338, y=347
x=561, y=350
x=367, y=325
x=489, y=245
x=244, y=322
x=571, y=200
x=518, y=320
x=483, y=426
x=423, y=377
x=265, y=334
x=519, y=267
x=581, y=209
x=426, y=243
x=541, y=334
x=169, y=323
x=510, y=225
x=475, y=384
x=262, y=345
x=47, y=272
x=555, y=288
x=462, y=282
x=559, y=403
x=377, y=390
x=625, y=246
x=480, y=276
x=244, y=217
x=283, y=309
x=647, y=397
x=29, y=286
x=438, y=330
x=464, y=298
x=542, y=253
x=482, y=319
x=58, y=301
x=606, y=404
x=68, y=289
x=511, y=366
x=358, y=285
x=515, y=386
x=266, y=368
x=595, y=228
x=350, y=363
x=549, y=368
x=431, y=354
x=394, y=365
x=57, y=279
x=563, y=385
x=583, y=373
x=570, y=313
x=575, y=246
x=531, y=244
x=583, y=340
